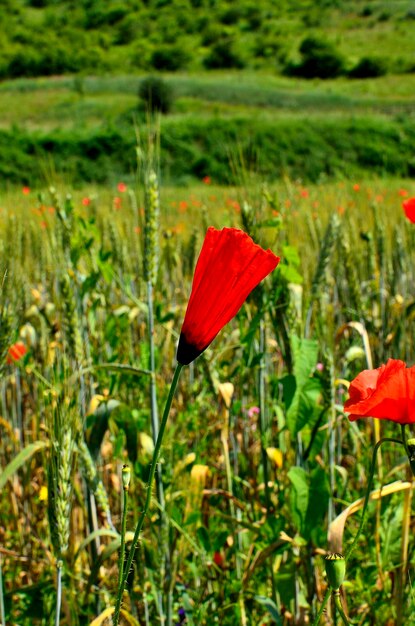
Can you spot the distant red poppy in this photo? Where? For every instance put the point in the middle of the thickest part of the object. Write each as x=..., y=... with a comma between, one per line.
x=230, y=265
x=16, y=352
x=409, y=208
x=122, y=187
x=207, y=180
x=86, y=201
x=403, y=193
x=387, y=392
x=25, y=191
x=356, y=187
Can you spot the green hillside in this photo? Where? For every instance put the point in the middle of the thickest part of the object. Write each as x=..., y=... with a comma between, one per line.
x=284, y=88
x=46, y=37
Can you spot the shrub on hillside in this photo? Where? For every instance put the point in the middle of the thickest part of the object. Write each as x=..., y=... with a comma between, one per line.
x=319, y=59
x=156, y=94
x=222, y=55
x=369, y=67
x=169, y=58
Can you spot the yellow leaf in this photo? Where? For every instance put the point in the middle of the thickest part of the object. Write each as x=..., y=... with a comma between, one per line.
x=226, y=391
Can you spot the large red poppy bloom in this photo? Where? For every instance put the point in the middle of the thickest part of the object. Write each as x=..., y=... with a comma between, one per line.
x=230, y=265
x=409, y=208
x=387, y=392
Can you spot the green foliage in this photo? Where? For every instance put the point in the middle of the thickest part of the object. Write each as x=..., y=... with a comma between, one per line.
x=319, y=59
x=369, y=67
x=111, y=33
x=223, y=55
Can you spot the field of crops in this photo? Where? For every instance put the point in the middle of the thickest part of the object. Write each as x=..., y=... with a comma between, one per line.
x=207, y=308
x=258, y=459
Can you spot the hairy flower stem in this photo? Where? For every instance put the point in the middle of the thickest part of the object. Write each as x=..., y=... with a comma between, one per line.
x=337, y=602
x=166, y=619
x=122, y=547
x=368, y=490
x=143, y=515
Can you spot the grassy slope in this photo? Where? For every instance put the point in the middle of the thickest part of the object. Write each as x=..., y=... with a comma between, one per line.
x=77, y=119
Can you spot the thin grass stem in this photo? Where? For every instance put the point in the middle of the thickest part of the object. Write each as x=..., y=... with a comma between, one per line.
x=58, y=592
x=122, y=547
x=2, y=611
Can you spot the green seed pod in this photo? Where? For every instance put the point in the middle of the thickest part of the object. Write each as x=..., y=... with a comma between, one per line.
x=335, y=569
x=411, y=454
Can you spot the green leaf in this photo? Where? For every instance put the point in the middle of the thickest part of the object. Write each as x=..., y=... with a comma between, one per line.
x=305, y=353
x=299, y=496
x=203, y=536
x=271, y=607
x=23, y=456
x=309, y=398
x=319, y=494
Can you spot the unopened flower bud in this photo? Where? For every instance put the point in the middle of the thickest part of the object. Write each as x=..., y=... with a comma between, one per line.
x=126, y=475
x=335, y=569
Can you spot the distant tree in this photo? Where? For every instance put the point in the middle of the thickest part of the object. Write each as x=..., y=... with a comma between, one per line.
x=156, y=94
x=222, y=55
x=369, y=67
x=319, y=59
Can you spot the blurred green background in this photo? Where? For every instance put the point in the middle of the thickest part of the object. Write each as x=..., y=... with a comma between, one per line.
x=288, y=88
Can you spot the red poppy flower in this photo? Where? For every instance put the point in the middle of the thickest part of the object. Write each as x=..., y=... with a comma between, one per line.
x=409, y=208
x=122, y=187
x=230, y=265
x=16, y=352
x=387, y=392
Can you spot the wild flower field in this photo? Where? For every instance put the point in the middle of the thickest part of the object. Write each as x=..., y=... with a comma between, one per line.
x=261, y=474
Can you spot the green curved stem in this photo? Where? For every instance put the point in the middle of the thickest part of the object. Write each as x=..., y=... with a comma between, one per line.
x=368, y=490
x=323, y=606
x=143, y=515
x=337, y=602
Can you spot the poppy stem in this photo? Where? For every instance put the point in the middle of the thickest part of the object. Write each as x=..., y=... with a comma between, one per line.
x=338, y=603
x=143, y=515
x=404, y=440
x=368, y=490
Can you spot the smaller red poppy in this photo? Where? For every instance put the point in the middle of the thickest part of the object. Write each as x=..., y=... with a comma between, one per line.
x=207, y=180
x=387, y=392
x=86, y=201
x=409, y=208
x=16, y=352
x=122, y=187
x=356, y=187
x=25, y=191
